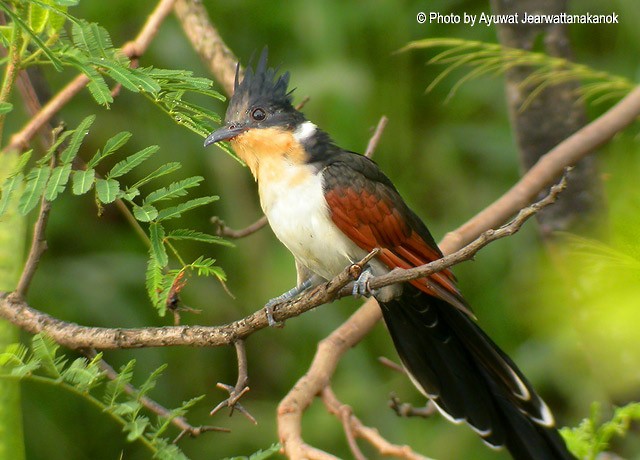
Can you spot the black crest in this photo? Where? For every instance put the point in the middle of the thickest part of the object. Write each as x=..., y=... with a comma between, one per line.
x=259, y=87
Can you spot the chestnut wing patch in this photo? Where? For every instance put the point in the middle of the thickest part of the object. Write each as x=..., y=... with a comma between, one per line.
x=367, y=208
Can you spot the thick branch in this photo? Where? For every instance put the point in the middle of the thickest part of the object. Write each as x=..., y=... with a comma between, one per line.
x=14, y=309
x=38, y=247
x=17, y=311
x=206, y=40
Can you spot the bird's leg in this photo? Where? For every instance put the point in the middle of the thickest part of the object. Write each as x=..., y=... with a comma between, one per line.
x=361, y=286
x=269, y=307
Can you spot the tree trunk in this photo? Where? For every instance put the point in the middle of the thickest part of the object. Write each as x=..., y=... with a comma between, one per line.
x=552, y=116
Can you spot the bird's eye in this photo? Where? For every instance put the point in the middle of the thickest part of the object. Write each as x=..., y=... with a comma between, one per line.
x=258, y=114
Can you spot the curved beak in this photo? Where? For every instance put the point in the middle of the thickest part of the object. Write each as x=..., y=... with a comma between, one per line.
x=224, y=133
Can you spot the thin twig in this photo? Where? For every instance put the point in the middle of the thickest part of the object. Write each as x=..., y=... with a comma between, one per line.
x=303, y=102
x=135, y=48
x=240, y=389
x=228, y=232
x=392, y=365
x=206, y=41
x=407, y=410
x=375, y=138
x=38, y=247
x=33, y=105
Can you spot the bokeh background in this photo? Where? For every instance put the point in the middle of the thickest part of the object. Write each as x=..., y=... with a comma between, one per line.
x=449, y=159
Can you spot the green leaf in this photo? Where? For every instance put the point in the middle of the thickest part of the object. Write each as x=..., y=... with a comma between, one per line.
x=57, y=182
x=9, y=187
x=186, y=234
x=107, y=190
x=6, y=34
x=111, y=146
x=174, y=190
x=150, y=383
x=13, y=361
x=76, y=140
x=66, y=2
x=45, y=349
x=91, y=38
x=83, y=375
x=129, y=194
x=36, y=184
x=57, y=19
x=13, y=355
x=39, y=43
x=145, y=213
x=5, y=107
x=154, y=280
x=176, y=211
x=133, y=79
x=165, y=420
x=123, y=167
x=158, y=252
x=161, y=171
x=205, y=267
x=135, y=428
x=24, y=159
x=100, y=90
x=126, y=408
x=83, y=181
x=45, y=159
x=38, y=17
x=115, y=387
x=261, y=454
x=122, y=75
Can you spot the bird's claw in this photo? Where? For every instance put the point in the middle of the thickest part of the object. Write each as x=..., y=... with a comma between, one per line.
x=270, y=308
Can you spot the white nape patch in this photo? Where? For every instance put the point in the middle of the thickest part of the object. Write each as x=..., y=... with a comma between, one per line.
x=304, y=131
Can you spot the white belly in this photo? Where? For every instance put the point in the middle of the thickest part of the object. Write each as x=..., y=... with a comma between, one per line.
x=297, y=211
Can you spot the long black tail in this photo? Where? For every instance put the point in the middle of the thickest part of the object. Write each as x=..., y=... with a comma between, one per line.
x=454, y=363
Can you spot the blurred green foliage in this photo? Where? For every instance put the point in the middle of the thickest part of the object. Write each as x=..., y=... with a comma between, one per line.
x=448, y=159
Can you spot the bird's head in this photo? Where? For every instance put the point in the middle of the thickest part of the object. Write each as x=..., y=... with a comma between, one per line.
x=260, y=119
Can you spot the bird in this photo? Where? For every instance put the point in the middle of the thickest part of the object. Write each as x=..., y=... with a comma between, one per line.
x=331, y=207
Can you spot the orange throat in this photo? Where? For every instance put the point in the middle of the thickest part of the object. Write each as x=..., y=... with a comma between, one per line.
x=260, y=148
